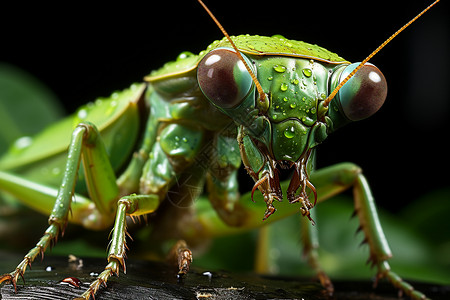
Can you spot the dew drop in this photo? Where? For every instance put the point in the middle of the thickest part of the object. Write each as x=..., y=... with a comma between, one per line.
x=294, y=81
x=284, y=87
x=292, y=105
x=82, y=114
x=270, y=78
x=208, y=275
x=307, y=72
x=184, y=55
x=279, y=68
x=289, y=132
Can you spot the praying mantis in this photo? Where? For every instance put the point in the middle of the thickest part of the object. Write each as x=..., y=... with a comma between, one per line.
x=245, y=143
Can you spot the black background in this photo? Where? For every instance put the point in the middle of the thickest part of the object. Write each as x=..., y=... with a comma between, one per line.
x=82, y=51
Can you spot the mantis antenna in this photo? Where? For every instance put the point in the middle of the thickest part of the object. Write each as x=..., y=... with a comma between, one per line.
x=336, y=90
x=262, y=95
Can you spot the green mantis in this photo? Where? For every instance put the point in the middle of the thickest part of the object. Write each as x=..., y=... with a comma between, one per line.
x=201, y=116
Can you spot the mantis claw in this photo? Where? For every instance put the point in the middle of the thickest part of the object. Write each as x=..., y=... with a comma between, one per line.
x=269, y=211
x=8, y=278
x=184, y=261
x=182, y=256
x=258, y=183
x=12, y=278
x=403, y=287
x=326, y=283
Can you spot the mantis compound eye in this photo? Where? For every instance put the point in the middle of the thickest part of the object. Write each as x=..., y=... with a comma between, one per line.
x=223, y=78
x=364, y=93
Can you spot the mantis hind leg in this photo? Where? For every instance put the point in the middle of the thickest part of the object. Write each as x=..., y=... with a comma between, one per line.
x=87, y=146
x=333, y=180
x=379, y=249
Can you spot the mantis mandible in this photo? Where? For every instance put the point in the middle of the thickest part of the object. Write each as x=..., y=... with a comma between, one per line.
x=268, y=101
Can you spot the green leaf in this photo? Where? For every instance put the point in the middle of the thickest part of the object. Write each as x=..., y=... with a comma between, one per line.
x=26, y=105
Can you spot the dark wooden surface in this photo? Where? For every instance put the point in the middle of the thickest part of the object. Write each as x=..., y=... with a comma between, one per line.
x=155, y=280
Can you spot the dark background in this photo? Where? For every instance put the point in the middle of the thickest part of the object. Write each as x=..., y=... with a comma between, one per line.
x=82, y=51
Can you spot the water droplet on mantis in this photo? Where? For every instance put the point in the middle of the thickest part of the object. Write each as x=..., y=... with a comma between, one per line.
x=289, y=132
x=284, y=87
x=307, y=72
x=184, y=55
x=279, y=68
x=82, y=114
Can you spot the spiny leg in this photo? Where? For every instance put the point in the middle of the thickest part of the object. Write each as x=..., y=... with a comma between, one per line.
x=310, y=245
x=133, y=205
x=49, y=238
x=374, y=236
x=333, y=180
x=85, y=144
x=58, y=217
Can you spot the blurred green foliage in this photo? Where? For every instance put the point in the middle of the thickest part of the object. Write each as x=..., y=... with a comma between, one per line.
x=26, y=105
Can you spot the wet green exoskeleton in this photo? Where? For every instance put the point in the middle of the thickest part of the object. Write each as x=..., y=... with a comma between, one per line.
x=201, y=116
